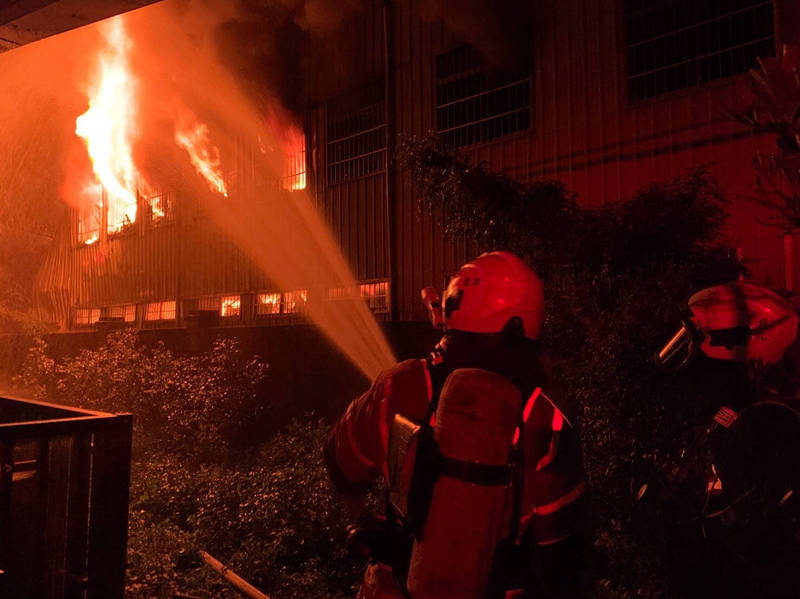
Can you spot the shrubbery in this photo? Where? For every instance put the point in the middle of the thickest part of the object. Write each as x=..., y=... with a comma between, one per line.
x=202, y=477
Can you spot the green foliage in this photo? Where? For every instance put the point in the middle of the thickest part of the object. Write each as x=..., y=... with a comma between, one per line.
x=616, y=279
x=198, y=480
x=268, y=514
x=775, y=110
x=204, y=402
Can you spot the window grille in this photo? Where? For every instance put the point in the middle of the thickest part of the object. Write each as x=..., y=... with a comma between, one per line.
x=159, y=208
x=86, y=316
x=295, y=170
x=90, y=218
x=160, y=311
x=295, y=301
x=675, y=44
x=356, y=135
x=376, y=295
x=209, y=302
x=268, y=304
x=230, y=306
x=120, y=212
x=127, y=312
x=475, y=103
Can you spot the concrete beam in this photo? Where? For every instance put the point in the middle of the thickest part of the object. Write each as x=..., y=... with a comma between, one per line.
x=26, y=21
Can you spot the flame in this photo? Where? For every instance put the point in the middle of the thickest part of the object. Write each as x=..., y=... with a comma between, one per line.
x=290, y=140
x=108, y=128
x=294, y=148
x=203, y=154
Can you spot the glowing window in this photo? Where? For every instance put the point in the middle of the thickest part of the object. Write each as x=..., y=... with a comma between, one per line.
x=127, y=312
x=160, y=311
x=475, y=103
x=376, y=295
x=675, y=44
x=159, y=208
x=230, y=306
x=295, y=170
x=268, y=303
x=90, y=218
x=120, y=212
x=87, y=316
x=295, y=301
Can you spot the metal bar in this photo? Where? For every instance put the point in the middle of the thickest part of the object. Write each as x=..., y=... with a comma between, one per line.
x=336, y=140
x=78, y=518
x=354, y=158
x=485, y=93
x=488, y=118
x=47, y=405
x=701, y=23
x=108, y=517
x=699, y=57
x=6, y=472
x=61, y=426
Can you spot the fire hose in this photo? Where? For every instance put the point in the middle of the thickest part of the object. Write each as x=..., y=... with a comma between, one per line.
x=236, y=581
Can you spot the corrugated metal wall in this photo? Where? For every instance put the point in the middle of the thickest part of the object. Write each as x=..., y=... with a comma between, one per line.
x=584, y=132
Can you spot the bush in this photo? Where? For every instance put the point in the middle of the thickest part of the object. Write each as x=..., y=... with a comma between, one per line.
x=208, y=402
x=268, y=514
x=264, y=509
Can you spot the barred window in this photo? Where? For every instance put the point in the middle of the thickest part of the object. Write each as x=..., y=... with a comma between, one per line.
x=356, y=135
x=376, y=295
x=230, y=306
x=295, y=301
x=475, y=103
x=268, y=304
x=160, y=208
x=160, y=311
x=90, y=217
x=126, y=312
x=86, y=316
x=675, y=44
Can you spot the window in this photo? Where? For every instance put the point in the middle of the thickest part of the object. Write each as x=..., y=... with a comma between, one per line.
x=127, y=312
x=294, y=168
x=90, y=217
x=86, y=316
x=268, y=304
x=120, y=212
x=376, y=295
x=160, y=311
x=675, y=44
x=356, y=134
x=159, y=208
x=474, y=103
x=295, y=301
x=230, y=306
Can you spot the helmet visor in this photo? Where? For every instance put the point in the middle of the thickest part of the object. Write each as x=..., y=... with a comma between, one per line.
x=678, y=350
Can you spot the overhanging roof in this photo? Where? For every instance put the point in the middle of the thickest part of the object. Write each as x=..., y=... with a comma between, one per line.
x=25, y=21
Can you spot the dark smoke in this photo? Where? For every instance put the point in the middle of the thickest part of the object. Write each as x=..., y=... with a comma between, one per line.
x=272, y=46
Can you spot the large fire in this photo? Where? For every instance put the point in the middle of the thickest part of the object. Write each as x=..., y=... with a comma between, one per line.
x=194, y=138
x=109, y=127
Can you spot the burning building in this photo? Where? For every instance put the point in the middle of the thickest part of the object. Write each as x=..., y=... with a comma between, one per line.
x=605, y=96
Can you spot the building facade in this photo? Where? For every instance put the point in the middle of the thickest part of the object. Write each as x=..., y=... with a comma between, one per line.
x=606, y=96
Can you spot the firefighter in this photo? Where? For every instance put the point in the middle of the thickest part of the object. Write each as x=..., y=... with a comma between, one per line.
x=480, y=455
x=735, y=531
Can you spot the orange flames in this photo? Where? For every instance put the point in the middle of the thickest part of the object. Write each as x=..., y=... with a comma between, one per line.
x=108, y=128
x=194, y=138
x=290, y=140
